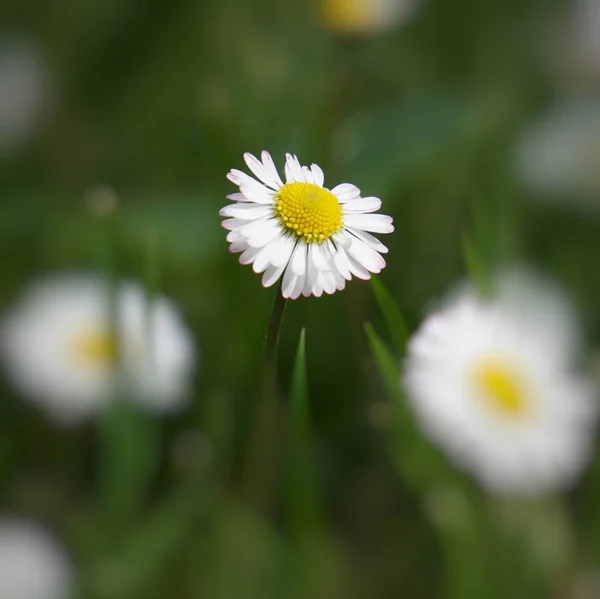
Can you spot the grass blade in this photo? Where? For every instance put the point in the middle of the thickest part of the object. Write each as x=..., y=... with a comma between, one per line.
x=391, y=312
x=301, y=476
x=418, y=462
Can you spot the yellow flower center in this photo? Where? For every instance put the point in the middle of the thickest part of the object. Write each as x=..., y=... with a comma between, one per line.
x=502, y=387
x=351, y=16
x=308, y=211
x=95, y=349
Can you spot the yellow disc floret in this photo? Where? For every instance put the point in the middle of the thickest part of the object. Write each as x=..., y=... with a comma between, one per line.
x=308, y=211
x=95, y=348
x=502, y=387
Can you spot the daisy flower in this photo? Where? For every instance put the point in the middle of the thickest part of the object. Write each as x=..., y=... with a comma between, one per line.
x=61, y=351
x=493, y=382
x=313, y=237
x=365, y=16
x=32, y=564
x=558, y=156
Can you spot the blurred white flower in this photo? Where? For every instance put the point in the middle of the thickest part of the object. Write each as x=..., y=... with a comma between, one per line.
x=60, y=350
x=360, y=17
x=32, y=563
x=25, y=92
x=493, y=382
x=558, y=156
x=313, y=238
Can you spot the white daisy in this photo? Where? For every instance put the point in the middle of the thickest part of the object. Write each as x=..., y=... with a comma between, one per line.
x=493, y=382
x=365, y=16
x=313, y=237
x=32, y=564
x=60, y=350
x=558, y=156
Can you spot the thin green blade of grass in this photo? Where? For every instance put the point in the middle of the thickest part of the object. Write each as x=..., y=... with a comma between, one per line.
x=476, y=265
x=130, y=448
x=417, y=461
x=392, y=314
x=301, y=473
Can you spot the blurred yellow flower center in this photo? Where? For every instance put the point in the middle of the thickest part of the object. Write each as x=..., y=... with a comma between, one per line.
x=348, y=16
x=95, y=348
x=502, y=388
x=308, y=211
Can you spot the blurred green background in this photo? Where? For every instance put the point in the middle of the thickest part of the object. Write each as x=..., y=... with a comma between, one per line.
x=158, y=100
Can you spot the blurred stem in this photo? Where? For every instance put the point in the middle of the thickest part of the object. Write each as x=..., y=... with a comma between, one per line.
x=260, y=472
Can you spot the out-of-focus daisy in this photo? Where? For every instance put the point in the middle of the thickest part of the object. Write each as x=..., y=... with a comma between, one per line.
x=360, y=17
x=25, y=92
x=61, y=350
x=313, y=237
x=32, y=563
x=493, y=382
x=558, y=157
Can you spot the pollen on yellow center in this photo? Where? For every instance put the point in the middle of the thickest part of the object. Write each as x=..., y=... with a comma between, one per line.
x=95, y=348
x=308, y=211
x=502, y=387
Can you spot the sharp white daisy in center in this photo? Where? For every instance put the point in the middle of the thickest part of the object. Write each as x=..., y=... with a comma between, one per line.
x=313, y=237
x=493, y=382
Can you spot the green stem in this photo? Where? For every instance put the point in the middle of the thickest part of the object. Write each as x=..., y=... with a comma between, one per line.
x=274, y=328
x=262, y=464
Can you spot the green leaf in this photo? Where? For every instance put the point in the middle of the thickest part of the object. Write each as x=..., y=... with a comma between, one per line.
x=391, y=312
x=416, y=460
x=301, y=475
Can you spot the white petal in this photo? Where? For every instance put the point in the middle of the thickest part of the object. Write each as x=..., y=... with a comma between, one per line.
x=284, y=251
x=271, y=168
x=342, y=239
x=250, y=229
x=248, y=255
x=317, y=255
x=308, y=176
x=376, y=223
x=258, y=168
x=265, y=256
x=272, y=275
x=298, y=260
x=346, y=192
x=240, y=178
x=362, y=205
x=289, y=282
x=238, y=246
x=233, y=223
x=370, y=240
x=234, y=236
x=293, y=170
x=366, y=256
x=257, y=193
x=298, y=287
x=340, y=281
x=317, y=288
x=318, y=175
x=237, y=197
x=246, y=211
x=358, y=270
x=342, y=263
x=328, y=281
